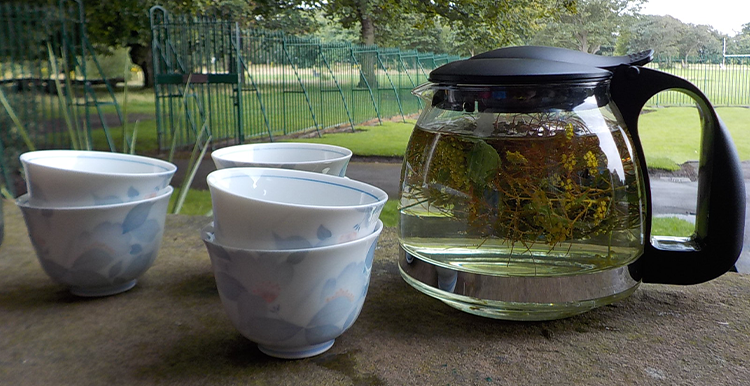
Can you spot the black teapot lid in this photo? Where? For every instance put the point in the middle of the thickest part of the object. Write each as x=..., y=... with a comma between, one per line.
x=487, y=71
x=533, y=65
x=569, y=56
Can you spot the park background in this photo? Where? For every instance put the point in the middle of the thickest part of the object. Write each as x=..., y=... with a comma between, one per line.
x=177, y=79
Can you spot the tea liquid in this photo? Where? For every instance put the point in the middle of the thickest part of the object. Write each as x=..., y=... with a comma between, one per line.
x=546, y=205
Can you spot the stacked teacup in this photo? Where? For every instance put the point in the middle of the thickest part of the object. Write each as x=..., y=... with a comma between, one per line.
x=291, y=249
x=95, y=219
x=311, y=157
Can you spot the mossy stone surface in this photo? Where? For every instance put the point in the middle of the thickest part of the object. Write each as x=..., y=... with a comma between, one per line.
x=171, y=330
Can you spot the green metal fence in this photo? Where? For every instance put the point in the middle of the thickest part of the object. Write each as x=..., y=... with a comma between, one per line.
x=247, y=84
x=256, y=85
x=44, y=55
x=725, y=81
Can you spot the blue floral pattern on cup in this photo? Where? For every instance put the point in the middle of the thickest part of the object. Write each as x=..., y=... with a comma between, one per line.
x=99, y=258
x=323, y=234
x=285, y=301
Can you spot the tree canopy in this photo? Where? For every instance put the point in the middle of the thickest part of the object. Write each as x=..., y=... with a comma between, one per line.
x=670, y=37
x=459, y=27
x=740, y=44
x=591, y=25
x=471, y=24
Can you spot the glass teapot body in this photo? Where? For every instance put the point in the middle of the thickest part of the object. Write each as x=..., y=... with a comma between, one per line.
x=510, y=193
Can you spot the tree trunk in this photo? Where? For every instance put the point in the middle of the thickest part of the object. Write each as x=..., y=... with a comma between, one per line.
x=368, y=30
x=368, y=60
x=583, y=43
x=141, y=55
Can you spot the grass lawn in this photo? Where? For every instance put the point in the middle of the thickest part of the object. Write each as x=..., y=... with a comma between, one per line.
x=671, y=226
x=671, y=136
x=388, y=139
x=197, y=203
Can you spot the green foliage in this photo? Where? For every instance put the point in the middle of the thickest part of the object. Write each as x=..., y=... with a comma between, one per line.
x=115, y=63
x=122, y=23
x=663, y=163
x=483, y=162
x=334, y=32
x=198, y=155
x=15, y=126
x=147, y=141
x=670, y=37
x=291, y=17
x=478, y=27
x=622, y=41
x=681, y=126
x=414, y=31
x=390, y=214
x=671, y=226
x=740, y=44
x=699, y=40
x=615, y=26
x=474, y=26
x=660, y=33
x=14, y=139
x=592, y=25
x=461, y=27
x=197, y=202
x=389, y=139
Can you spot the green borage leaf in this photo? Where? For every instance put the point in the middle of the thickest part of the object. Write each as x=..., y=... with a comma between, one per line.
x=484, y=163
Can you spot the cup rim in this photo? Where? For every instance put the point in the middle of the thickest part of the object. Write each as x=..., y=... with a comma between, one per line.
x=169, y=168
x=23, y=202
x=378, y=194
x=209, y=229
x=221, y=153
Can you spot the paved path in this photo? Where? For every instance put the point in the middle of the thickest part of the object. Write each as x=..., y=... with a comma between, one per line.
x=679, y=198
x=384, y=175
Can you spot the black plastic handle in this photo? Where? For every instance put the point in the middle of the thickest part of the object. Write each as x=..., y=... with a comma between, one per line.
x=720, y=222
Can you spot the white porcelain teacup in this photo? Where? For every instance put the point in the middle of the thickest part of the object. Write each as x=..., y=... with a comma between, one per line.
x=97, y=250
x=266, y=208
x=293, y=303
x=311, y=157
x=82, y=178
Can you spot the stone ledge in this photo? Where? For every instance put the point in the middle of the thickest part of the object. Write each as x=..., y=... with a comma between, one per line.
x=171, y=329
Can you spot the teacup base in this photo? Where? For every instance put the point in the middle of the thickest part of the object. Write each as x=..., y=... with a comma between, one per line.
x=298, y=352
x=103, y=291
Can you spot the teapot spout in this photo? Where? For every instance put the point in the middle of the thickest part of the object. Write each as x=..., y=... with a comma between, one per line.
x=424, y=91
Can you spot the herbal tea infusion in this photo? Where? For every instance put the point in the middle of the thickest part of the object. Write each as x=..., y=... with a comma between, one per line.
x=522, y=194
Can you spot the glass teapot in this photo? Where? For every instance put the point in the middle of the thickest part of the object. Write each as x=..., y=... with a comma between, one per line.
x=525, y=193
